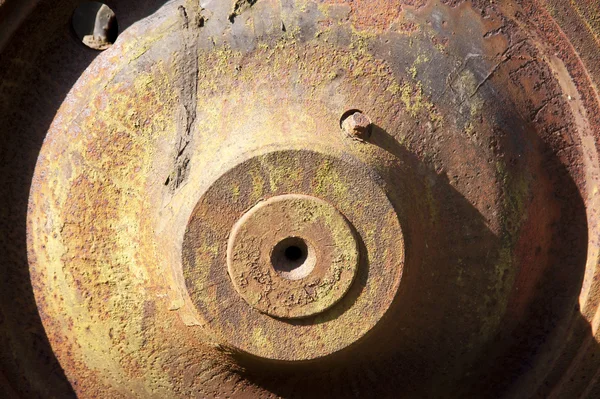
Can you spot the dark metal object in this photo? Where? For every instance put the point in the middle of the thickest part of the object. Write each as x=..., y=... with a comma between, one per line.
x=470, y=218
x=95, y=24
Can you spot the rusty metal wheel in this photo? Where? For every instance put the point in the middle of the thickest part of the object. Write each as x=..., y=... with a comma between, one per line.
x=300, y=198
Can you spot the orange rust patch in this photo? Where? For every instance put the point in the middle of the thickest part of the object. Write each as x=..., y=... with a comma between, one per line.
x=375, y=14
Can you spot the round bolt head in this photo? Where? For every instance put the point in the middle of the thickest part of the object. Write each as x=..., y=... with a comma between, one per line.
x=357, y=126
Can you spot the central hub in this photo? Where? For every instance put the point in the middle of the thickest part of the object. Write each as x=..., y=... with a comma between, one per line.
x=293, y=277
x=292, y=256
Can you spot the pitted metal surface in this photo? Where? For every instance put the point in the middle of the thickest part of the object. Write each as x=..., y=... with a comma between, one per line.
x=267, y=273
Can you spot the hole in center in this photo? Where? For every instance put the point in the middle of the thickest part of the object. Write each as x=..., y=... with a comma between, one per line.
x=293, y=258
x=293, y=253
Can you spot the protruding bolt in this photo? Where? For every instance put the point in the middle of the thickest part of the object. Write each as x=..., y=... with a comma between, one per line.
x=357, y=126
x=104, y=30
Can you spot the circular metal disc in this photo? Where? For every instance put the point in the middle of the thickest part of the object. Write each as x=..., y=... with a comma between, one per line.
x=435, y=164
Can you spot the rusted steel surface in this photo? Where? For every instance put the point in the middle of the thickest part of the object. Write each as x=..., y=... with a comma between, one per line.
x=435, y=164
x=290, y=286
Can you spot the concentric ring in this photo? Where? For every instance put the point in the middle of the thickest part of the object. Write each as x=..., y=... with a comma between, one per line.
x=359, y=271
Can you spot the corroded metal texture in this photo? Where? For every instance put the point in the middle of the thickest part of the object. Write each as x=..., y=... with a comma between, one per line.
x=303, y=199
x=265, y=274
